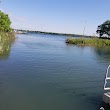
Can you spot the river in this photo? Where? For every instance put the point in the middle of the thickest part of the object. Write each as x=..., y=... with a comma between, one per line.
x=42, y=72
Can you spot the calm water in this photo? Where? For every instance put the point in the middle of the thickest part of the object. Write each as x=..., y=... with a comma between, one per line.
x=43, y=73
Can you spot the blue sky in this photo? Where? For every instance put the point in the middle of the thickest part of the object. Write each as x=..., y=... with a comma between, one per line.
x=65, y=16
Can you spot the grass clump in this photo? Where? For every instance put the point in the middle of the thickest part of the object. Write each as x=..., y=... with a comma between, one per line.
x=88, y=41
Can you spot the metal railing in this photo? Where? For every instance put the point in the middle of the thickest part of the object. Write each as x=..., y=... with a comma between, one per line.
x=106, y=79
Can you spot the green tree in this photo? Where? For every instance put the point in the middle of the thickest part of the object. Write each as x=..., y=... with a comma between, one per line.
x=104, y=29
x=5, y=22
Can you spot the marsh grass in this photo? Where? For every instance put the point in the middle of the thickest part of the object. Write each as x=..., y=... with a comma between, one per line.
x=9, y=36
x=6, y=40
x=88, y=41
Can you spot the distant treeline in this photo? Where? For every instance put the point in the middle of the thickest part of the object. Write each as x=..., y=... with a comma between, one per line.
x=52, y=33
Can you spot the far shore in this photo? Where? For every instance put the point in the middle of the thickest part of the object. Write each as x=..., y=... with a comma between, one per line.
x=52, y=33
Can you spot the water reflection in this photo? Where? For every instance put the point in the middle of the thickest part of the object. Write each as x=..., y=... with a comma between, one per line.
x=103, y=53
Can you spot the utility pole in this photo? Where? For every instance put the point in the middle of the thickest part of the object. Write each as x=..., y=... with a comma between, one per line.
x=84, y=28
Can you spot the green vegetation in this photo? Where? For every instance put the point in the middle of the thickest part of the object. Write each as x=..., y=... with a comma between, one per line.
x=104, y=32
x=7, y=36
x=104, y=29
x=5, y=22
x=6, y=40
x=88, y=41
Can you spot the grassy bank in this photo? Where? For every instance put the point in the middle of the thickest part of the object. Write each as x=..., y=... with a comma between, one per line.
x=89, y=41
x=10, y=36
x=5, y=42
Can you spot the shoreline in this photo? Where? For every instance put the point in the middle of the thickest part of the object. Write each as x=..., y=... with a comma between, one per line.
x=18, y=31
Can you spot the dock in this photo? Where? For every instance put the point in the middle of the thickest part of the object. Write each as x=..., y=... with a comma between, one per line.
x=106, y=96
